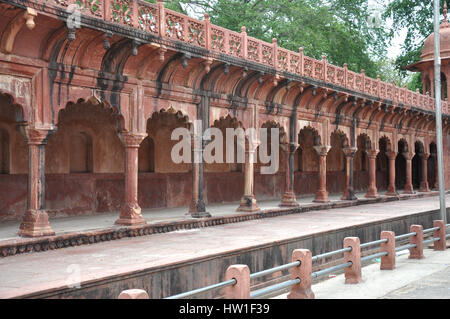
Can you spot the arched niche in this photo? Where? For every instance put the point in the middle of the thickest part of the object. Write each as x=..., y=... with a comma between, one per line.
x=307, y=158
x=382, y=163
x=147, y=156
x=400, y=165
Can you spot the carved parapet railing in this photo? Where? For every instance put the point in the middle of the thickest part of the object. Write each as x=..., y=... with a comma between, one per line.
x=157, y=20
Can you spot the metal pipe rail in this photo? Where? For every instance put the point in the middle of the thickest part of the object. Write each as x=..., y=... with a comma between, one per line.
x=274, y=270
x=430, y=230
x=319, y=273
x=377, y=255
x=204, y=289
x=405, y=247
x=373, y=243
x=430, y=241
x=404, y=236
x=273, y=288
x=331, y=253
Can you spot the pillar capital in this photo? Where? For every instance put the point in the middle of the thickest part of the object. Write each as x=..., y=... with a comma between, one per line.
x=289, y=147
x=37, y=136
x=322, y=150
x=349, y=151
x=372, y=153
x=408, y=156
x=132, y=139
x=391, y=155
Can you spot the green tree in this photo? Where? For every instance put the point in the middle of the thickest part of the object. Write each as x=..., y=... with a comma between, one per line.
x=341, y=29
x=416, y=16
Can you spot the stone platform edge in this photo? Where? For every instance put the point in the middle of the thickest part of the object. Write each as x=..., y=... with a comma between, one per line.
x=127, y=274
x=59, y=241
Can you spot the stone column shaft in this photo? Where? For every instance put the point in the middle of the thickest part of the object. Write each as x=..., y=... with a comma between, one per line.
x=391, y=191
x=349, y=193
x=35, y=221
x=322, y=194
x=130, y=213
x=424, y=187
x=197, y=209
x=248, y=201
x=408, y=185
x=372, y=192
x=289, y=199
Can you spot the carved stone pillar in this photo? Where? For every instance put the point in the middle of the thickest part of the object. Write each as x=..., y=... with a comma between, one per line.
x=322, y=194
x=349, y=193
x=408, y=185
x=391, y=191
x=289, y=199
x=130, y=213
x=372, y=192
x=424, y=187
x=35, y=221
x=436, y=172
x=197, y=208
x=248, y=201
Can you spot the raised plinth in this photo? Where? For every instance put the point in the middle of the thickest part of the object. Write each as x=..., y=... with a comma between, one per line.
x=248, y=205
x=35, y=224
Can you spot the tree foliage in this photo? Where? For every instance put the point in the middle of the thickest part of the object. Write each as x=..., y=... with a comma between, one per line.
x=340, y=29
x=416, y=16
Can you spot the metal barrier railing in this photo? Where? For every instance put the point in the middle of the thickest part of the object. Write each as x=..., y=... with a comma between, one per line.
x=204, y=289
x=301, y=267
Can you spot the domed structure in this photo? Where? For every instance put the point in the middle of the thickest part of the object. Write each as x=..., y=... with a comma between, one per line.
x=426, y=64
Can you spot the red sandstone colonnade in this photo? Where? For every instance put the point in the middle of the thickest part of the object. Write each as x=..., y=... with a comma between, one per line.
x=87, y=114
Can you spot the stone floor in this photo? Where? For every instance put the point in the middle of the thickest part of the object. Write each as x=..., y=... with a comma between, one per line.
x=28, y=273
x=8, y=230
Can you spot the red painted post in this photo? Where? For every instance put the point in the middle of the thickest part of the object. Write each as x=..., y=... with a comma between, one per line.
x=134, y=294
x=107, y=9
x=363, y=80
x=417, y=252
x=302, y=272
x=134, y=14
x=162, y=18
x=345, y=75
x=441, y=244
x=275, y=53
x=301, y=63
x=240, y=290
x=207, y=32
x=353, y=273
x=388, y=261
x=244, y=42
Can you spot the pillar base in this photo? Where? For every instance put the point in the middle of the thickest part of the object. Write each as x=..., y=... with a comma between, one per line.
x=200, y=214
x=248, y=205
x=198, y=210
x=35, y=224
x=321, y=197
x=372, y=194
x=409, y=192
x=131, y=216
x=391, y=192
x=424, y=188
x=289, y=200
x=349, y=195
